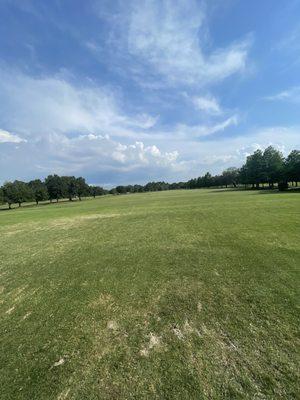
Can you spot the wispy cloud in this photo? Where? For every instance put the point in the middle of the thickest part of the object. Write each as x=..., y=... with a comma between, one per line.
x=39, y=106
x=199, y=131
x=291, y=95
x=164, y=42
x=207, y=104
x=169, y=36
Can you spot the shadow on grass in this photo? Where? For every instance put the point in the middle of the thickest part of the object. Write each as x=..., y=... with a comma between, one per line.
x=265, y=190
x=276, y=191
x=34, y=205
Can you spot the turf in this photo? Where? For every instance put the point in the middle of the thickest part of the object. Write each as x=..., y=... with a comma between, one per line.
x=171, y=295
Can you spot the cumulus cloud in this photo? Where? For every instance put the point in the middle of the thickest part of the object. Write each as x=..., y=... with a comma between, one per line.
x=133, y=154
x=71, y=129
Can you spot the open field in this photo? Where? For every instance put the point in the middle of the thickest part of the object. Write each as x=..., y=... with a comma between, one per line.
x=171, y=295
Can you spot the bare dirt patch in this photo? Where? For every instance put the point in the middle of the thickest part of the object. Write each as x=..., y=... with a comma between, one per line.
x=177, y=332
x=154, y=342
x=112, y=325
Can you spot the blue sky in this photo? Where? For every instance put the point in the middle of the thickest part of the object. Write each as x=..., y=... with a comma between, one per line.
x=131, y=91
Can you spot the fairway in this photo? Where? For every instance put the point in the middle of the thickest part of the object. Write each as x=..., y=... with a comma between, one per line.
x=190, y=294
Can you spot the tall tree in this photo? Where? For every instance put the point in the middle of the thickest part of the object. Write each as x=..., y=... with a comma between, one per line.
x=230, y=176
x=207, y=180
x=82, y=187
x=39, y=190
x=254, y=168
x=273, y=165
x=1, y=196
x=54, y=186
x=292, y=167
x=8, y=190
x=69, y=187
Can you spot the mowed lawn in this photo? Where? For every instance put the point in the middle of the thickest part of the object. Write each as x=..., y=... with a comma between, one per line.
x=170, y=295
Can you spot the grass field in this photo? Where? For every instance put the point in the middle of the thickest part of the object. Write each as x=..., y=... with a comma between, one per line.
x=171, y=295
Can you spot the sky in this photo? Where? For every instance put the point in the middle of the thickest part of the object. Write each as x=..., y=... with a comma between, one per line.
x=125, y=92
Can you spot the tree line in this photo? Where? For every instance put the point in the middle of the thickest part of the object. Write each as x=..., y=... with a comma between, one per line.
x=261, y=168
x=53, y=188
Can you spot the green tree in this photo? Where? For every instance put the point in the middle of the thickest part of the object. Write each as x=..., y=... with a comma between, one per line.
x=16, y=192
x=68, y=187
x=1, y=196
x=55, y=187
x=82, y=187
x=230, y=176
x=121, y=189
x=96, y=191
x=292, y=167
x=253, y=170
x=207, y=180
x=39, y=190
x=8, y=190
x=273, y=166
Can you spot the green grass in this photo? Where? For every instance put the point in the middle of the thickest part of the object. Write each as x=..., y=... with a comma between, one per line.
x=172, y=295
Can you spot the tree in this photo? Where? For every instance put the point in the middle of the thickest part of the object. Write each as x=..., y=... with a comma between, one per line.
x=121, y=189
x=8, y=190
x=16, y=192
x=68, y=187
x=54, y=186
x=230, y=176
x=292, y=167
x=82, y=187
x=253, y=170
x=97, y=191
x=1, y=196
x=273, y=166
x=207, y=180
x=39, y=190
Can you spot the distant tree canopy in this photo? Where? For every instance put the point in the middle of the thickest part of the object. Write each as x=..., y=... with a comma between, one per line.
x=262, y=167
x=54, y=188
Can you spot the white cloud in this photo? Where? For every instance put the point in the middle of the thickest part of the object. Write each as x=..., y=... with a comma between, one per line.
x=207, y=104
x=93, y=151
x=215, y=155
x=7, y=137
x=169, y=36
x=39, y=106
x=199, y=131
x=138, y=153
x=291, y=95
x=145, y=121
x=71, y=129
